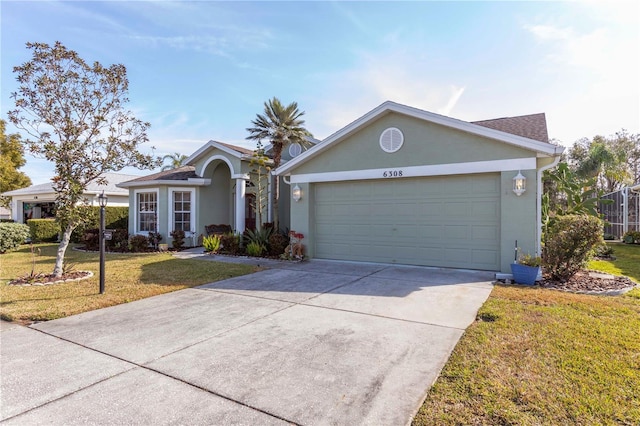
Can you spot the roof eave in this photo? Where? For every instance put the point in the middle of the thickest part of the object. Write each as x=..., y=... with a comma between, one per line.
x=541, y=148
x=170, y=182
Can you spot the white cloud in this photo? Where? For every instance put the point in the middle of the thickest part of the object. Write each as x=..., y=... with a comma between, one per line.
x=398, y=75
x=600, y=67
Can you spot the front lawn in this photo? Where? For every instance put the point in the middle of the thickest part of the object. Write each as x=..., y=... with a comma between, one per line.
x=128, y=277
x=627, y=261
x=538, y=356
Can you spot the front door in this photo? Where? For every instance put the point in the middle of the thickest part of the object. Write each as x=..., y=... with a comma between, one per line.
x=250, y=211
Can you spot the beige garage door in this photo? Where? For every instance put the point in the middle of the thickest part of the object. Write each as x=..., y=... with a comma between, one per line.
x=450, y=221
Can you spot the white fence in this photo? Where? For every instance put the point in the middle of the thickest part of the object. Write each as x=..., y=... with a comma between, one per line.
x=624, y=213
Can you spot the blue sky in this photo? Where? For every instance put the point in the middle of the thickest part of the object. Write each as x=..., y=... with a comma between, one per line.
x=201, y=70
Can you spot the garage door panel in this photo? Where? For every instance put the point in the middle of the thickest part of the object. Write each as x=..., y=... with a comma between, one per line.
x=485, y=234
x=430, y=232
x=450, y=221
x=457, y=232
x=487, y=209
x=456, y=209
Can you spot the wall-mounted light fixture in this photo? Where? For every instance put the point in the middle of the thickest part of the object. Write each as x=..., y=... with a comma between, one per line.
x=519, y=184
x=296, y=193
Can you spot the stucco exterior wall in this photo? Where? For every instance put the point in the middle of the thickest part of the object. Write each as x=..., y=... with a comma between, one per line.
x=425, y=143
x=517, y=217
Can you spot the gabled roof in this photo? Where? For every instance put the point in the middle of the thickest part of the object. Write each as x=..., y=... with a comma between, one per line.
x=111, y=188
x=541, y=148
x=233, y=150
x=181, y=175
x=532, y=126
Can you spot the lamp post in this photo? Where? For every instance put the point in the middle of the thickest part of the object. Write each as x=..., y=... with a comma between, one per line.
x=102, y=200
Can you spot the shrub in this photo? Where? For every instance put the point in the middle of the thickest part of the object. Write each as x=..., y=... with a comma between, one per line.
x=154, y=239
x=604, y=251
x=12, y=235
x=119, y=240
x=211, y=243
x=255, y=249
x=259, y=236
x=43, y=230
x=114, y=218
x=91, y=239
x=230, y=244
x=277, y=244
x=529, y=260
x=569, y=243
x=138, y=243
x=631, y=237
x=177, y=239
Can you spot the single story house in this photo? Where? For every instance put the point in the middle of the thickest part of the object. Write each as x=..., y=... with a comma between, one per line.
x=38, y=201
x=398, y=185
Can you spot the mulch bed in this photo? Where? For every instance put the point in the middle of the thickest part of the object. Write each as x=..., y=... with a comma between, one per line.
x=44, y=279
x=584, y=282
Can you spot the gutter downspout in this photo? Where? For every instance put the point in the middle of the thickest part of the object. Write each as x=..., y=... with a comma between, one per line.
x=539, y=201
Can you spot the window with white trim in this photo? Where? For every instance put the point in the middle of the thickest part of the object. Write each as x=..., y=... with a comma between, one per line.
x=147, y=205
x=182, y=211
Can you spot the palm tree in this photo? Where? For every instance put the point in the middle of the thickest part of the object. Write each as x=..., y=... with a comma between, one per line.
x=281, y=126
x=176, y=160
x=603, y=160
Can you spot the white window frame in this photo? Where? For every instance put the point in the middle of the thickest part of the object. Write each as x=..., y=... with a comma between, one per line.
x=170, y=224
x=136, y=229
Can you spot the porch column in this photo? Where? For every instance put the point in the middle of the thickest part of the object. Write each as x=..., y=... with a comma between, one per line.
x=240, y=204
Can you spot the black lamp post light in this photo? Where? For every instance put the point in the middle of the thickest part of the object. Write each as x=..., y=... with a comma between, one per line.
x=102, y=200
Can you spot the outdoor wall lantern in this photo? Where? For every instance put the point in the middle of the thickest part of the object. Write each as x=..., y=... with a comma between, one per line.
x=296, y=193
x=102, y=201
x=519, y=184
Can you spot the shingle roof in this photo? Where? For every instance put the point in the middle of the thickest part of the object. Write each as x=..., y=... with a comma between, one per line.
x=532, y=126
x=110, y=188
x=181, y=173
x=240, y=149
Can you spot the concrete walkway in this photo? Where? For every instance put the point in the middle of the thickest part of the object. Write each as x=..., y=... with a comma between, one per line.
x=315, y=343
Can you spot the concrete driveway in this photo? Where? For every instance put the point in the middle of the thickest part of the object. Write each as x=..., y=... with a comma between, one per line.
x=318, y=342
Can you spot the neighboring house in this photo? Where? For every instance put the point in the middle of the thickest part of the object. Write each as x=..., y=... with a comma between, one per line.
x=38, y=201
x=398, y=185
x=5, y=213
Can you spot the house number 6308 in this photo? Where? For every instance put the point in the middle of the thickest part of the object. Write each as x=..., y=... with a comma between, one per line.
x=392, y=173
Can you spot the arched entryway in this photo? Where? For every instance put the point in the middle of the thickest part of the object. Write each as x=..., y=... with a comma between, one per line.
x=216, y=199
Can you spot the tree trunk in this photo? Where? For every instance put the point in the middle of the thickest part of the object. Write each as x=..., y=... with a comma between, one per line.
x=62, y=248
x=276, y=218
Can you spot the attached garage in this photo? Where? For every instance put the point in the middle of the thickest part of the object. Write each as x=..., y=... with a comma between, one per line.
x=401, y=185
x=451, y=221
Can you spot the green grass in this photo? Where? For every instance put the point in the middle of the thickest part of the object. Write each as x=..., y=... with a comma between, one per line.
x=627, y=261
x=539, y=356
x=127, y=278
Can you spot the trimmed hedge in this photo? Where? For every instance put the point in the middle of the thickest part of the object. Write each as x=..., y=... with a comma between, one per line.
x=114, y=218
x=43, y=230
x=12, y=235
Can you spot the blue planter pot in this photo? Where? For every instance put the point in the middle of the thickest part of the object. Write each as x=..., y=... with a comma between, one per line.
x=523, y=274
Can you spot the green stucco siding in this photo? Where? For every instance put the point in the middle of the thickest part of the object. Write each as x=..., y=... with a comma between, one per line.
x=425, y=143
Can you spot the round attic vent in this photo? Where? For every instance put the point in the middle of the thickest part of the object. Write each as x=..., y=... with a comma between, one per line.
x=391, y=140
x=295, y=149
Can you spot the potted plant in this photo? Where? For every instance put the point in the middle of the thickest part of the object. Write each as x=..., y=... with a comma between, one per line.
x=526, y=269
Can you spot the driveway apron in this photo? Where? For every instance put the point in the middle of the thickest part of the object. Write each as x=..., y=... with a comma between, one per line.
x=313, y=343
